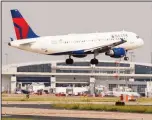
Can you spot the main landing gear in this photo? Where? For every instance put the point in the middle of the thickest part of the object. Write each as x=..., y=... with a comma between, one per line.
x=94, y=61
x=69, y=60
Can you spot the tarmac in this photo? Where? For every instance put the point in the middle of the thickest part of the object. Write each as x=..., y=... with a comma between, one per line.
x=44, y=111
x=36, y=117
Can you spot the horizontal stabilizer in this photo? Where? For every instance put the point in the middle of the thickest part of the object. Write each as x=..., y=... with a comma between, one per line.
x=28, y=43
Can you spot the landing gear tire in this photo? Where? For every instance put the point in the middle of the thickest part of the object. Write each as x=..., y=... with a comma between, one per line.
x=126, y=58
x=69, y=61
x=94, y=61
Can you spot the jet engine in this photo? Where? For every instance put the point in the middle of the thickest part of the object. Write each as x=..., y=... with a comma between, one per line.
x=116, y=52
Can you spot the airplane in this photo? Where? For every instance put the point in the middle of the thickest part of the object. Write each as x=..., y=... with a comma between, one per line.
x=113, y=44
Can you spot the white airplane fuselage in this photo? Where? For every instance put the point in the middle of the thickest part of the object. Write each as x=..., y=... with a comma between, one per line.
x=58, y=45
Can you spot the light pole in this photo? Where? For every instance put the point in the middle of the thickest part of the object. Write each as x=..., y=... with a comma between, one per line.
x=6, y=57
x=150, y=68
x=150, y=73
x=131, y=56
x=151, y=57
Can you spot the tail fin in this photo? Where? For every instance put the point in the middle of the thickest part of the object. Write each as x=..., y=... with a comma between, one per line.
x=22, y=29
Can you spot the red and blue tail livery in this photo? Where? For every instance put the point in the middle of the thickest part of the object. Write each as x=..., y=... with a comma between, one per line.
x=22, y=29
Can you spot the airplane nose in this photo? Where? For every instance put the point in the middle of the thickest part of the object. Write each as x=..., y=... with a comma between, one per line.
x=9, y=44
x=141, y=42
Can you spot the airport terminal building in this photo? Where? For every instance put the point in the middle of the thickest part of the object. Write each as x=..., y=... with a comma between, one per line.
x=80, y=75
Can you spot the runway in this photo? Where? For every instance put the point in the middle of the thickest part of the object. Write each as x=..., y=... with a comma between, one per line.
x=44, y=111
x=36, y=106
x=36, y=117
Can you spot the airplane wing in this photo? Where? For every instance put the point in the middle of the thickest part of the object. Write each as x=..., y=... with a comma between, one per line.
x=105, y=47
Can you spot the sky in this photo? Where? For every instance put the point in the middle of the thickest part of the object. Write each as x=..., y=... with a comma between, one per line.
x=59, y=18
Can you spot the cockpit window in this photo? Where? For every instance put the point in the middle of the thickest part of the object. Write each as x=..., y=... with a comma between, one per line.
x=137, y=36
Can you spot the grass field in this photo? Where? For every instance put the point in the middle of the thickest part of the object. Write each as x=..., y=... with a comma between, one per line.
x=50, y=98
x=145, y=100
x=101, y=107
x=59, y=99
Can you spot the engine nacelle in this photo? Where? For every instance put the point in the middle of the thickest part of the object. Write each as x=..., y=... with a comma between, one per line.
x=116, y=52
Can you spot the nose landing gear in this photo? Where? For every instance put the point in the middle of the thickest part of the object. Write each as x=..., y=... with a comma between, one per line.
x=69, y=60
x=126, y=58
